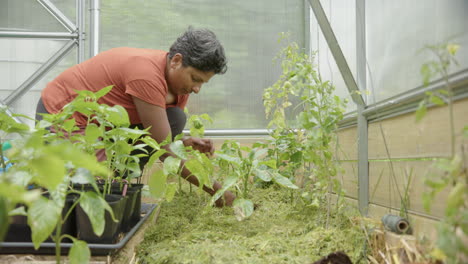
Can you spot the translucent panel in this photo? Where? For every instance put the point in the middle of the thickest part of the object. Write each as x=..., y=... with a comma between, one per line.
x=398, y=30
x=249, y=31
x=27, y=15
x=342, y=18
x=26, y=104
x=68, y=8
x=20, y=58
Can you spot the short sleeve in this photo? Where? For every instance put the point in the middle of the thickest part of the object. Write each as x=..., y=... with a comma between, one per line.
x=147, y=91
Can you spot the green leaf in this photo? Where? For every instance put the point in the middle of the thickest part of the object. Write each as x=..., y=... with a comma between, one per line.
x=3, y=217
x=157, y=184
x=455, y=198
x=465, y=131
x=260, y=153
x=79, y=252
x=170, y=191
x=92, y=133
x=58, y=194
x=206, y=117
x=171, y=166
x=117, y=115
x=151, y=142
x=69, y=124
x=18, y=211
x=103, y=91
x=436, y=100
x=228, y=158
x=68, y=152
x=50, y=170
x=155, y=157
x=95, y=206
x=21, y=178
x=178, y=148
x=18, y=194
x=228, y=183
x=243, y=208
x=296, y=157
x=270, y=163
x=83, y=176
x=197, y=169
x=283, y=181
x=43, y=124
x=122, y=147
x=264, y=175
x=426, y=73
x=128, y=133
x=421, y=111
x=43, y=217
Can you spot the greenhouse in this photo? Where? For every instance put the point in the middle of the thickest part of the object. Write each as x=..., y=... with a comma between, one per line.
x=213, y=131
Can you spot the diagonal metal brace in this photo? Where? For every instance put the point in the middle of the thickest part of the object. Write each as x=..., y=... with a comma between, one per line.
x=39, y=73
x=336, y=52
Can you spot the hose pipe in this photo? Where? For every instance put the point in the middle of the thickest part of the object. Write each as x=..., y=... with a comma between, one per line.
x=396, y=224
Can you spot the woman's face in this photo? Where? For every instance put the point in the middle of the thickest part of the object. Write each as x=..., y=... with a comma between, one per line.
x=185, y=80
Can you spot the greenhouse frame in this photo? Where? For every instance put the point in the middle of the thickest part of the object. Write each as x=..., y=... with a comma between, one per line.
x=401, y=67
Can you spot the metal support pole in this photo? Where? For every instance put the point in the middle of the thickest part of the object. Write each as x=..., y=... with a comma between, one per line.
x=363, y=163
x=307, y=28
x=58, y=15
x=8, y=112
x=24, y=87
x=234, y=132
x=336, y=51
x=363, y=158
x=80, y=21
x=94, y=29
x=41, y=35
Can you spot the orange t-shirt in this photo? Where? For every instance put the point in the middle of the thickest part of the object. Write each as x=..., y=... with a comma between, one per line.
x=131, y=71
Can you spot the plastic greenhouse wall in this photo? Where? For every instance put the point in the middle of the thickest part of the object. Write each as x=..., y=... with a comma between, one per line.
x=401, y=152
x=248, y=30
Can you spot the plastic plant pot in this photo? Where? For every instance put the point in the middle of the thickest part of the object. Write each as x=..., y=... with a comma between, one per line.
x=111, y=230
x=131, y=194
x=135, y=218
x=19, y=230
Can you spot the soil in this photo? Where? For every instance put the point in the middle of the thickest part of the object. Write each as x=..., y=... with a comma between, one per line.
x=281, y=230
x=335, y=258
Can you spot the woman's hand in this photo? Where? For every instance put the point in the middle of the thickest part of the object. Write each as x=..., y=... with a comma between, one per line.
x=226, y=200
x=203, y=145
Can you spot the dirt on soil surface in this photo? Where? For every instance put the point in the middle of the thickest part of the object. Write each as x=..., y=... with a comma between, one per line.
x=335, y=258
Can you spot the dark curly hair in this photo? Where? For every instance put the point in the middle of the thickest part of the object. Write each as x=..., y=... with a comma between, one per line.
x=200, y=49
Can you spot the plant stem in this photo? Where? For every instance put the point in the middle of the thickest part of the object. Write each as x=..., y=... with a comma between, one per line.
x=246, y=182
x=246, y=179
x=58, y=230
x=180, y=183
x=450, y=106
x=71, y=209
x=1, y=157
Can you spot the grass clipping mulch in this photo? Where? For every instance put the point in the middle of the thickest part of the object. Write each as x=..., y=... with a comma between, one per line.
x=281, y=230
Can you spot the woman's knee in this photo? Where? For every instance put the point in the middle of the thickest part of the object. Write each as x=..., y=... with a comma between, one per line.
x=177, y=120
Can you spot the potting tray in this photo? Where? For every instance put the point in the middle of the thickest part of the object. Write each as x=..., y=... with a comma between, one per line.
x=96, y=249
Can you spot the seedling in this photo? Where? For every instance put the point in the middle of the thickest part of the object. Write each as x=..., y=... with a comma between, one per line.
x=309, y=138
x=240, y=169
